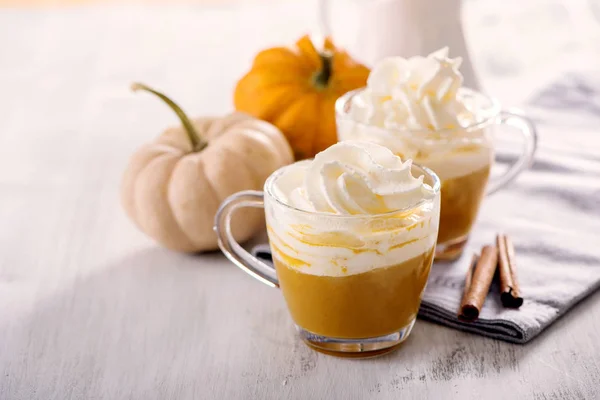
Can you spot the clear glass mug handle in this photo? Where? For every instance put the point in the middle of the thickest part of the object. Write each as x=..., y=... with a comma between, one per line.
x=231, y=248
x=516, y=118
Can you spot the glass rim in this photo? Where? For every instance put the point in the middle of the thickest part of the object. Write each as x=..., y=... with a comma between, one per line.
x=495, y=110
x=436, y=187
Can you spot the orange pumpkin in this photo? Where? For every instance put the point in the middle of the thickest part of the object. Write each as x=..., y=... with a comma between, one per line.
x=295, y=89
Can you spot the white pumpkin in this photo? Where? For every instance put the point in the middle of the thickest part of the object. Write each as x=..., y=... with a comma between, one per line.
x=174, y=185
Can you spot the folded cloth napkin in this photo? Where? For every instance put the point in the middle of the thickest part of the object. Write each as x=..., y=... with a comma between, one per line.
x=552, y=214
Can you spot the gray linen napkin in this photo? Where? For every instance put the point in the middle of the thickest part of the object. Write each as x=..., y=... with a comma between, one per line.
x=552, y=214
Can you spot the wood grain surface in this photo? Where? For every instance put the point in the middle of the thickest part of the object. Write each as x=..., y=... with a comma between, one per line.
x=91, y=309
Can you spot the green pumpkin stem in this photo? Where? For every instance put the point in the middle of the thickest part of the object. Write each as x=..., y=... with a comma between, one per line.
x=198, y=143
x=321, y=78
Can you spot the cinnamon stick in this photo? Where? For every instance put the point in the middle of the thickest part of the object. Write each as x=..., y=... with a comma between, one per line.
x=510, y=295
x=477, y=283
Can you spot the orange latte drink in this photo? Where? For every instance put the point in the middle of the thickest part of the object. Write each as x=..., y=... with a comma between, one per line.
x=353, y=236
x=417, y=108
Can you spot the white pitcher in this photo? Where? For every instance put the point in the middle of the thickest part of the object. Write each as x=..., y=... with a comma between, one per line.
x=373, y=29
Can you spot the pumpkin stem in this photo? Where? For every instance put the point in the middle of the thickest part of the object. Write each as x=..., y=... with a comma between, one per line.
x=321, y=78
x=198, y=143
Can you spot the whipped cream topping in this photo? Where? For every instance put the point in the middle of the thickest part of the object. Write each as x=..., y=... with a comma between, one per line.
x=350, y=191
x=415, y=93
x=354, y=178
x=407, y=102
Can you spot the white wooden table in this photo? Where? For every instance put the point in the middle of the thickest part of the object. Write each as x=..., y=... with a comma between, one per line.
x=91, y=309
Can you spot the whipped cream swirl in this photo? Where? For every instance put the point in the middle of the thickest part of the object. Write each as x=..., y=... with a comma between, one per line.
x=353, y=178
x=418, y=93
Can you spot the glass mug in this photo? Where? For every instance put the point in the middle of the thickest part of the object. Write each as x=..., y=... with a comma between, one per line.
x=324, y=265
x=461, y=157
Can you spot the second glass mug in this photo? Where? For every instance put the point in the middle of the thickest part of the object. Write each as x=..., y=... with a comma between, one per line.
x=461, y=157
x=324, y=262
